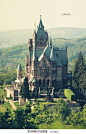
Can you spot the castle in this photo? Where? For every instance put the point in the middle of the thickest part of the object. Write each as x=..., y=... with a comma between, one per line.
x=45, y=65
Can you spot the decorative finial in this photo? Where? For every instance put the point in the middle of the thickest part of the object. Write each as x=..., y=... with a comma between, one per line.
x=40, y=14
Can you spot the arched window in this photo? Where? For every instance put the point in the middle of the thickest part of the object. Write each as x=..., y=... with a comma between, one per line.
x=39, y=82
x=48, y=81
x=44, y=82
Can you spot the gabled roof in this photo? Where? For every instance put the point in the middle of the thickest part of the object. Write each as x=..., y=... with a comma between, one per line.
x=46, y=51
x=61, y=53
x=38, y=53
x=34, y=80
x=51, y=54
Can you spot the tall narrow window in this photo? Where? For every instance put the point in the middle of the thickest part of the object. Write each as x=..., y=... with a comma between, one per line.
x=40, y=82
x=44, y=82
x=48, y=72
x=48, y=81
x=56, y=71
x=40, y=72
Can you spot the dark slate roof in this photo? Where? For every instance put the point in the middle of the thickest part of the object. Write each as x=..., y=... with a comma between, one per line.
x=51, y=52
x=61, y=53
x=19, y=67
x=46, y=51
x=38, y=53
x=34, y=80
x=40, y=31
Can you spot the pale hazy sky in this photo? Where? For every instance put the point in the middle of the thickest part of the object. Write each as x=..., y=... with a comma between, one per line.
x=22, y=14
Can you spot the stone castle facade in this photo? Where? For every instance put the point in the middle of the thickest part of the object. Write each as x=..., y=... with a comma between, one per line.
x=45, y=65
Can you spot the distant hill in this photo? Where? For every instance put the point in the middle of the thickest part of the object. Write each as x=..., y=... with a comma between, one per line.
x=16, y=37
x=12, y=56
x=65, y=32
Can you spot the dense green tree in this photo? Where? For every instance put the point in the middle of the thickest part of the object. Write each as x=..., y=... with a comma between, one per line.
x=41, y=113
x=79, y=74
x=24, y=91
x=18, y=120
x=22, y=118
x=5, y=120
x=75, y=119
x=61, y=109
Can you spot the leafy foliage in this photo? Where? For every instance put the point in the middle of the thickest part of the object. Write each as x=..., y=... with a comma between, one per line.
x=27, y=118
x=19, y=119
x=61, y=109
x=70, y=95
x=12, y=56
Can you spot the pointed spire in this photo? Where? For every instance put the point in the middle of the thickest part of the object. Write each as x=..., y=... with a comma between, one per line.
x=40, y=30
x=19, y=67
x=40, y=23
x=50, y=43
x=40, y=16
x=34, y=51
x=52, y=57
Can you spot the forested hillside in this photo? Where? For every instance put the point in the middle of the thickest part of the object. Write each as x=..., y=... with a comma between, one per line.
x=10, y=57
x=16, y=37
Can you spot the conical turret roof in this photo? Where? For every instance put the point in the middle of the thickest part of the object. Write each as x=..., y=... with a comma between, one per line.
x=52, y=57
x=19, y=67
x=40, y=32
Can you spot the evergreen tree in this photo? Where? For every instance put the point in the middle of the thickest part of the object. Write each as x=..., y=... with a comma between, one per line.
x=79, y=74
x=24, y=91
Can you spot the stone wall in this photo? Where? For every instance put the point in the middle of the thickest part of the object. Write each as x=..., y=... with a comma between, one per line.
x=9, y=91
x=22, y=101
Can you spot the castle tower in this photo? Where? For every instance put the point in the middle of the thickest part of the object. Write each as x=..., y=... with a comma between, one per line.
x=34, y=57
x=19, y=72
x=44, y=62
